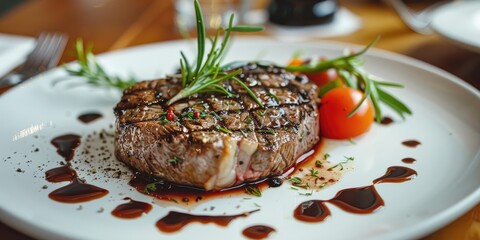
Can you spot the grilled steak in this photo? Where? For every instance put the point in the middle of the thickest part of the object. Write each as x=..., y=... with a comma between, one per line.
x=217, y=141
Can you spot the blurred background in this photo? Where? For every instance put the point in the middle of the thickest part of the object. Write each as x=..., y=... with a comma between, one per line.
x=117, y=24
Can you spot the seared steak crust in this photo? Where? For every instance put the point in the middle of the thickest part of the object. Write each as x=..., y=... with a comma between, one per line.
x=217, y=141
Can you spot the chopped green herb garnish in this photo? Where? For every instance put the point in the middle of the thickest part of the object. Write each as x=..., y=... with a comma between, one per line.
x=273, y=96
x=222, y=129
x=323, y=185
x=163, y=119
x=313, y=172
x=261, y=113
x=175, y=160
x=295, y=180
x=151, y=187
x=248, y=120
x=304, y=186
x=216, y=116
x=188, y=115
x=340, y=164
x=326, y=156
x=307, y=193
x=203, y=114
x=253, y=190
x=318, y=163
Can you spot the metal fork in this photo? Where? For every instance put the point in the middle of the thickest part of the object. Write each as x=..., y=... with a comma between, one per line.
x=45, y=55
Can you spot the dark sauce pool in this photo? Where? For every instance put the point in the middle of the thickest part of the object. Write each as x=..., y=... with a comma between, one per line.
x=359, y=200
x=77, y=191
x=131, y=209
x=66, y=145
x=175, y=221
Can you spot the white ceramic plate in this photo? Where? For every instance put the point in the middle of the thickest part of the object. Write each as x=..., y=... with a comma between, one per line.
x=459, y=22
x=445, y=121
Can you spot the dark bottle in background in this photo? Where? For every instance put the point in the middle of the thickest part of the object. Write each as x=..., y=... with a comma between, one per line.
x=301, y=12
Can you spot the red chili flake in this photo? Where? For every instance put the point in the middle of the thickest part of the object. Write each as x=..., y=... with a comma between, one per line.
x=196, y=114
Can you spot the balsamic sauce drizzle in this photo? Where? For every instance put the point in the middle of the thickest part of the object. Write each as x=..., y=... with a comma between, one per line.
x=77, y=191
x=359, y=200
x=132, y=209
x=175, y=221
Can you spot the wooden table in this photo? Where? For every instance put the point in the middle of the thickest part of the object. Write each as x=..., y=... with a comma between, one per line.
x=123, y=23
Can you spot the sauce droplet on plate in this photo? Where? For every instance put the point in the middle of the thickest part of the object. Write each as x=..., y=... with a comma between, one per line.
x=411, y=143
x=66, y=145
x=60, y=174
x=132, y=209
x=358, y=200
x=311, y=211
x=386, y=121
x=89, y=117
x=175, y=221
x=258, y=231
x=397, y=174
x=77, y=192
x=409, y=160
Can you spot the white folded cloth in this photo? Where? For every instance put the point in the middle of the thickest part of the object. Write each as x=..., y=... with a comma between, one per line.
x=13, y=50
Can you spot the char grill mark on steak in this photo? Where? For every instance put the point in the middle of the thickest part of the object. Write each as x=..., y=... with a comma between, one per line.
x=258, y=134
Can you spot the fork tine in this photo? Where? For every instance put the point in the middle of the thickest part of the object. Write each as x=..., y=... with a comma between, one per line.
x=47, y=52
x=57, y=51
x=47, y=55
x=32, y=58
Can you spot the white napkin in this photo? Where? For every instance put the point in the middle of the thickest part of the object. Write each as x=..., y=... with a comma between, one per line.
x=13, y=50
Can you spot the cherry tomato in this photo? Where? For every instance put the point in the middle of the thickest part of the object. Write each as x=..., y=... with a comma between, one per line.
x=335, y=106
x=322, y=78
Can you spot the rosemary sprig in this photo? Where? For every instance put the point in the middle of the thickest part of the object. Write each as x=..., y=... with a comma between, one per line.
x=349, y=68
x=208, y=74
x=93, y=71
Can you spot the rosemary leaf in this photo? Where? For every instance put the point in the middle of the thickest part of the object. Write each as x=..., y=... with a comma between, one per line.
x=352, y=75
x=207, y=75
x=92, y=71
x=246, y=28
x=253, y=190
